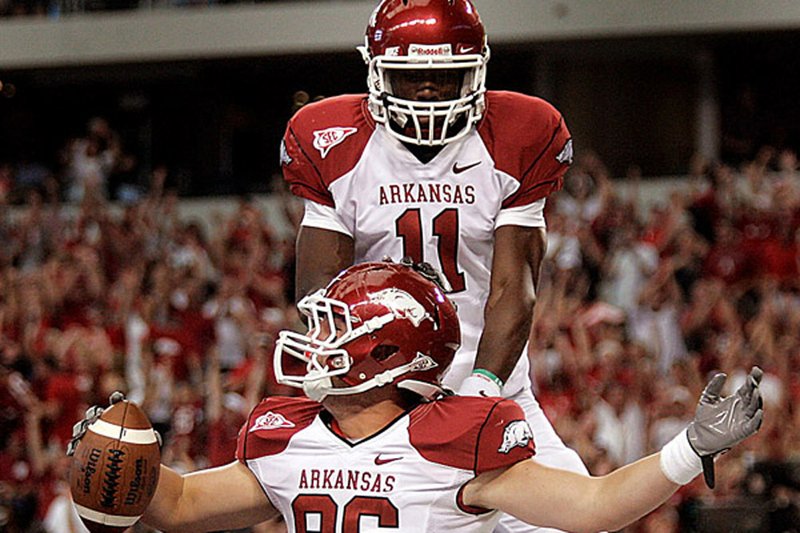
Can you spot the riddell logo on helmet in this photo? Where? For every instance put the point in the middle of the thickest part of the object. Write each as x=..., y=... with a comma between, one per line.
x=426, y=50
x=326, y=139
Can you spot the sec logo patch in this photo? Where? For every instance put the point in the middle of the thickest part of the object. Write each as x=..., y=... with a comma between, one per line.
x=326, y=139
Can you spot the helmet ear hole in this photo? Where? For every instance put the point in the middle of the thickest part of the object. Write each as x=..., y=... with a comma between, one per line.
x=383, y=352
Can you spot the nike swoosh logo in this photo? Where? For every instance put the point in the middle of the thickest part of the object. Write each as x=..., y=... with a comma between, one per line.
x=382, y=461
x=458, y=170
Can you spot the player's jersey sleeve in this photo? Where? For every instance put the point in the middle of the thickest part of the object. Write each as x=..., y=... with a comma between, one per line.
x=272, y=424
x=472, y=433
x=321, y=216
x=323, y=141
x=531, y=215
x=529, y=141
x=505, y=439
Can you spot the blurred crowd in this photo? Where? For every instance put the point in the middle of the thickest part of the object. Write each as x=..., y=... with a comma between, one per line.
x=638, y=305
x=93, y=165
x=96, y=297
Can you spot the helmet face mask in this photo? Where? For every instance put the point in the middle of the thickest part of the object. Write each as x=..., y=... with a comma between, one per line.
x=329, y=326
x=407, y=84
x=374, y=325
x=437, y=36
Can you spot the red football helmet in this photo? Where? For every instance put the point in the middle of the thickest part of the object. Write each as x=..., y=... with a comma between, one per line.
x=374, y=324
x=442, y=35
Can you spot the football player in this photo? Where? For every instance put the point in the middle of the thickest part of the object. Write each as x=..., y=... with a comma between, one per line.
x=382, y=444
x=430, y=165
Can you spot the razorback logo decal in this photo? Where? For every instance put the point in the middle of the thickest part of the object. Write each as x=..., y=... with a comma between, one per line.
x=326, y=139
x=269, y=421
x=516, y=433
x=401, y=304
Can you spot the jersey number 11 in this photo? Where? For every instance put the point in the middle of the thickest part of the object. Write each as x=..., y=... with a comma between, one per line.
x=445, y=227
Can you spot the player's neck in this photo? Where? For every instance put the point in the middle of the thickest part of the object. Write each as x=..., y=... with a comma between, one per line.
x=357, y=421
x=424, y=153
x=359, y=416
x=363, y=423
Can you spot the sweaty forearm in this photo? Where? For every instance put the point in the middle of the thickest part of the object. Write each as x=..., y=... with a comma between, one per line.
x=518, y=253
x=627, y=494
x=508, y=316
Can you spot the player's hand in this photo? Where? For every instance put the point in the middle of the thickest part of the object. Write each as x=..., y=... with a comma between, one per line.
x=721, y=423
x=92, y=415
x=427, y=271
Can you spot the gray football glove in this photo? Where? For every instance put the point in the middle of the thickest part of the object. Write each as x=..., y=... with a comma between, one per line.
x=721, y=423
x=92, y=415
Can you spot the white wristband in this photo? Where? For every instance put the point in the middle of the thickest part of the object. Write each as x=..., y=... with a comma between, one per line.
x=679, y=462
x=479, y=385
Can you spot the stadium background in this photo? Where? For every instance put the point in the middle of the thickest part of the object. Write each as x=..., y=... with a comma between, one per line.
x=147, y=238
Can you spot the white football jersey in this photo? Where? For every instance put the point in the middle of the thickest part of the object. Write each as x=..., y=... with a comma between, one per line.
x=406, y=478
x=443, y=212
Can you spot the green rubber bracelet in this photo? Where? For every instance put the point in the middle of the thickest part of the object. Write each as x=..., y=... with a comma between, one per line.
x=490, y=375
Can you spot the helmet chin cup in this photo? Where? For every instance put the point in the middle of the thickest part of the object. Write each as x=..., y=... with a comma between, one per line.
x=317, y=389
x=446, y=121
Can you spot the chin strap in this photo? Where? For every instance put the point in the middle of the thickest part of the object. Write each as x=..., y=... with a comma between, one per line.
x=319, y=389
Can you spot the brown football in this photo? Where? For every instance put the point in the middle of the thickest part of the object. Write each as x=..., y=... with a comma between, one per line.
x=114, y=471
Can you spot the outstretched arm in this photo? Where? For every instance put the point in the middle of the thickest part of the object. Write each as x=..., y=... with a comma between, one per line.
x=545, y=496
x=518, y=254
x=550, y=497
x=228, y=497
